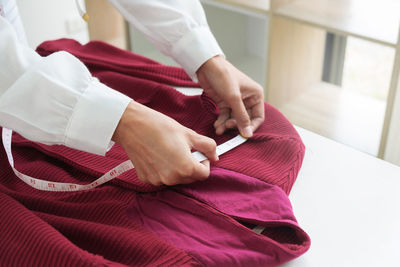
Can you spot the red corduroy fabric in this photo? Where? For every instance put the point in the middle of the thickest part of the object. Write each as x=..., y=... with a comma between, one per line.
x=92, y=228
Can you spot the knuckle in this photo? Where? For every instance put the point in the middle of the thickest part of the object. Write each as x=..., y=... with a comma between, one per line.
x=212, y=145
x=194, y=134
x=259, y=88
x=168, y=178
x=169, y=181
x=233, y=97
x=212, y=142
x=187, y=170
x=203, y=177
x=244, y=121
x=261, y=93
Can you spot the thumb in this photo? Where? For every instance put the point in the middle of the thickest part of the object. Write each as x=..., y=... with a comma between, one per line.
x=205, y=145
x=242, y=117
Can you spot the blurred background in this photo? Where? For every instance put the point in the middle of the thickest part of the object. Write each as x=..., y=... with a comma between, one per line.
x=331, y=66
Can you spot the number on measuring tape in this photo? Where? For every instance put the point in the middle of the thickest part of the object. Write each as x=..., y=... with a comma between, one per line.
x=111, y=174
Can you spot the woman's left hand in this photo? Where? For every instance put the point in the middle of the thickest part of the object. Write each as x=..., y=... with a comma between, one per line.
x=239, y=98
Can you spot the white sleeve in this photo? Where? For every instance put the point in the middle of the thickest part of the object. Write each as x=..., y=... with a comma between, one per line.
x=54, y=99
x=178, y=28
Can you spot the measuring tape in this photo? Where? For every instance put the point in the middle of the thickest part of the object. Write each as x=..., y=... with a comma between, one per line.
x=115, y=172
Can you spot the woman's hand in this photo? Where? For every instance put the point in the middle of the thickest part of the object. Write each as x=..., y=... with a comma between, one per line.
x=240, y=99
x=160, y=147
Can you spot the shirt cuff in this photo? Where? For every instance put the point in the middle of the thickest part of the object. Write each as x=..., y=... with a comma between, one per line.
x=95, y=118
x=194, y=49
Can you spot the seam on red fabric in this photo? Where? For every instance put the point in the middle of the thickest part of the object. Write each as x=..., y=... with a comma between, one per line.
x=294, y=170
x=236, y=224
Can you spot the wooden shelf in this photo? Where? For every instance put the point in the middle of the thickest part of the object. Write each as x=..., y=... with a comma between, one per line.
x=290, y=61
x=376, y=21
x=339, y=114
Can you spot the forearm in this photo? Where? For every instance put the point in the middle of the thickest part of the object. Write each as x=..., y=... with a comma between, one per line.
x=178, y=28
x=54, y=99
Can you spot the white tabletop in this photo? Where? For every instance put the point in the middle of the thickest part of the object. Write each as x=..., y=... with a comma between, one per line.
x=349, y=204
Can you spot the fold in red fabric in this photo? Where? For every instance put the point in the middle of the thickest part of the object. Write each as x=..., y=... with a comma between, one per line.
x=126, y=222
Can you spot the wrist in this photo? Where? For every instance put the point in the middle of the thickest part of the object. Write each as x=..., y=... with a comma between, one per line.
x=127, y=120
x=213, y=64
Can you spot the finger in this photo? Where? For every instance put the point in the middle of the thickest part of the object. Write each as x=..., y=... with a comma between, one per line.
x=220, y=129
x=257, y=115
x=242, y=118
x=231, y=123
x=224, y=114
x=206, y=163
x=252, y=101
x=205, y=145
x=219, y=124
x=201, y=170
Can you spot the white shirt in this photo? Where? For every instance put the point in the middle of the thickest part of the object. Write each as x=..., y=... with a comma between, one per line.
x=55, y=100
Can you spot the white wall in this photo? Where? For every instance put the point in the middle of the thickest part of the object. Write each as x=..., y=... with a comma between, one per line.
x=51, y=19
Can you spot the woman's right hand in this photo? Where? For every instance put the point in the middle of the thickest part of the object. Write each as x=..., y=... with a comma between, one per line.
x=160, y=148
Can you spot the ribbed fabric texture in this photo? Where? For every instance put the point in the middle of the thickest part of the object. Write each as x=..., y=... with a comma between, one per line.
x=276, y=149
x=93, y=227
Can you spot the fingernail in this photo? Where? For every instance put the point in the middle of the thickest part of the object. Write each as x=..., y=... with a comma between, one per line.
x=248, y=131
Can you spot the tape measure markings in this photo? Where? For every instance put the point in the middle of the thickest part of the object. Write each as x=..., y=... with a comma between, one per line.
x=111, y=174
